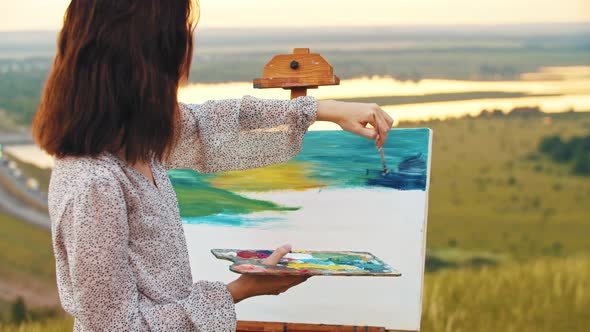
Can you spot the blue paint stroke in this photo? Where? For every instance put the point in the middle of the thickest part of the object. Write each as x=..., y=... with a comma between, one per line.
x=234, y=220
x=342, y=159
x=410, y=175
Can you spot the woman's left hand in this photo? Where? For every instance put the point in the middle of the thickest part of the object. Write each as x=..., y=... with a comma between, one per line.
x=354, y=117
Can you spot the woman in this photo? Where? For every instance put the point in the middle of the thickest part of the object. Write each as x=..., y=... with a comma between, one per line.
x=110, y=116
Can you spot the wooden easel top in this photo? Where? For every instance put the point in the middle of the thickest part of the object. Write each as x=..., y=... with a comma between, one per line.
x=298, y=72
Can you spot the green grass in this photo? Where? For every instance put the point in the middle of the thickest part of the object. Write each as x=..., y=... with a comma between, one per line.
x=52, y=325
x=542, y=295
x=490, y=194
x=25, y=250
x=32, y=316
x=27, y=267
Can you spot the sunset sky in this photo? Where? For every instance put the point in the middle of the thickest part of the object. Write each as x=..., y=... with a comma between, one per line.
x=47, y=14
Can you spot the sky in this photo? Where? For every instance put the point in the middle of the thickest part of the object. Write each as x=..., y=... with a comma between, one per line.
x=47, y=14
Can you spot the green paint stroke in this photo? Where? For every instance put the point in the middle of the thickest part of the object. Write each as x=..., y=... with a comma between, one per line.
x=197, y=198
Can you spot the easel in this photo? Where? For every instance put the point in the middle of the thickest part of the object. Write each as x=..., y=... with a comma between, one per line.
x=298, y=72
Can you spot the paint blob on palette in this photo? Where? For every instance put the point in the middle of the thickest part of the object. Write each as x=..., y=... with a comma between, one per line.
x=307, y=262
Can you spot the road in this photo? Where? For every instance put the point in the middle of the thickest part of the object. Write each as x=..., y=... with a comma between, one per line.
x=21, y=205
x=20, y=209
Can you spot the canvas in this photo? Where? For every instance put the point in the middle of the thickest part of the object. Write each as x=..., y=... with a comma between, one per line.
x=332, y=196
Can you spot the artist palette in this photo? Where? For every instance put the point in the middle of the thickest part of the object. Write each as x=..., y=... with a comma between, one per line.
x=307, y=263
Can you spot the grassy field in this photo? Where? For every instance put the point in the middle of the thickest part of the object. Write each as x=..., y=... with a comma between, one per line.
x=51, y=325
x=27, y=269
x=542, y=295
x=25, y=250
x=507, y=232
x=492, y=193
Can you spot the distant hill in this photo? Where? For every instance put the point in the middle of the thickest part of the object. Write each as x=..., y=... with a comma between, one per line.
x=341, y=38
x=405, y=52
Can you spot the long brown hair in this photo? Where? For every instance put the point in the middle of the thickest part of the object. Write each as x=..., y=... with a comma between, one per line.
x=115, y=78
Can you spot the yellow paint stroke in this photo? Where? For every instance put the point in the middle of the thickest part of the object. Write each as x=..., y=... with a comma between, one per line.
x=290, y=176
x=303, y=266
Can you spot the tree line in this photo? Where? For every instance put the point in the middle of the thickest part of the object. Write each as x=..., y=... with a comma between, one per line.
x=576, y=151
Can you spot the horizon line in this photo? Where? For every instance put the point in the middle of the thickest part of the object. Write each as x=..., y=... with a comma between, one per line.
x=326, y=27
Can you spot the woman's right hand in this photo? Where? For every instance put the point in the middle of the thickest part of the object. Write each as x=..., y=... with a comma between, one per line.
x=248, y=285
x=354, y=118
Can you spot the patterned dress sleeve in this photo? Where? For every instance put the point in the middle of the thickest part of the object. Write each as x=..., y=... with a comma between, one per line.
x=105, y=292
x=244, y=133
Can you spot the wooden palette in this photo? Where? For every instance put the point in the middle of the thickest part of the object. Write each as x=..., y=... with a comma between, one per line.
x=307, y=263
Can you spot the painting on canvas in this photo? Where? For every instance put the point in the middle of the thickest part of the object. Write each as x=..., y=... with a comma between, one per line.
x=332, y=196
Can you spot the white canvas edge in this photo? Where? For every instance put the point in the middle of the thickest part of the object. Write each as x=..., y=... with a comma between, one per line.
x=429, y=168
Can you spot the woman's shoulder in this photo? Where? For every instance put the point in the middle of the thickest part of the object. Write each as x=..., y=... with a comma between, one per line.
x=84, y=169
x=73, y=176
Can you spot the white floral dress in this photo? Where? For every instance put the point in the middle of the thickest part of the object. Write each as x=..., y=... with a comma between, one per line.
x=121, y=256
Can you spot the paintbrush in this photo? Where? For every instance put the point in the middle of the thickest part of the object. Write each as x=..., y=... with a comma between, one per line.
x=382, y=159
x=380, y=148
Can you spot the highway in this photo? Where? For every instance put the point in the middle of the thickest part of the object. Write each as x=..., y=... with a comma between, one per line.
x=15, y=197
x=21, y=210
